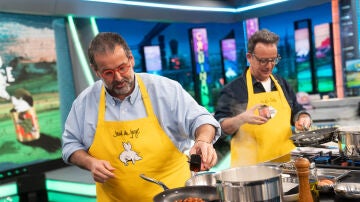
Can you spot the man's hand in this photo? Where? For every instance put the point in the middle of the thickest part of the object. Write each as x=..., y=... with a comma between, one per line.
x=101, y=170
x=207, y=153
x=249, y=116
x=303, y=123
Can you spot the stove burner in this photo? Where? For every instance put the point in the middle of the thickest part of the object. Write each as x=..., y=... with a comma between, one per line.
x=322, y=159
x=336, y=162
x=328, y=159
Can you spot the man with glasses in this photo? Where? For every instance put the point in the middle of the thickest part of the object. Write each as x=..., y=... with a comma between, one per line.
x=258, y=108
x=128, y=124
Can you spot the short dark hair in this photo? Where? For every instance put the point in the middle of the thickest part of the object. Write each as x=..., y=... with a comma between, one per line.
x=106, y=41
x=262, y=36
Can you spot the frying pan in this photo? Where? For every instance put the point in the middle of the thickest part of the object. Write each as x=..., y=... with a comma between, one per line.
x=207, y=193
x=313, y=137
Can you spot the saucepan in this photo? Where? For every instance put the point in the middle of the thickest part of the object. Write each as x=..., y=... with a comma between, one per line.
x=202, y=179
x=349, y=141
x=250, y=183
x=206, y=193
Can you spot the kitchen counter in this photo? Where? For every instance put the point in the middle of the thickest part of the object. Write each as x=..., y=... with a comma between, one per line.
x=341, y=175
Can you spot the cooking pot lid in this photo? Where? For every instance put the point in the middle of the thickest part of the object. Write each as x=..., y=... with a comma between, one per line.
x=351, y=129
x=314, y=137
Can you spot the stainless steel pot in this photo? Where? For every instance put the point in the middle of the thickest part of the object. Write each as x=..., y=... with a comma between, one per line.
x=250, y=183
x=349, y=141
x=202, y=179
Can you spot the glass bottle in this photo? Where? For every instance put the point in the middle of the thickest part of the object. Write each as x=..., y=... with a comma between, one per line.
x=313, y=180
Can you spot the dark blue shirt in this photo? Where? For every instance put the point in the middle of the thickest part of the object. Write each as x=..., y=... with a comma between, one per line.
x=233, y=98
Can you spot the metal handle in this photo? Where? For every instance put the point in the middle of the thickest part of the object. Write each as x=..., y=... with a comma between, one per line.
x=154, y=181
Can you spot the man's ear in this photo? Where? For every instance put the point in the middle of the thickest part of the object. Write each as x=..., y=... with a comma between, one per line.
x=248, y=57
x=97, y=74
x=95, y=71
x=132, y=60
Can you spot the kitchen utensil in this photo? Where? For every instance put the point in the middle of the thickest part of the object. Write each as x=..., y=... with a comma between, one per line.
x=313, y=137
x=207, y=193
x=250, y=183
x=305, y=128
x=348, y=138
x=202, y=179
x=154, y=181
x=348, y=190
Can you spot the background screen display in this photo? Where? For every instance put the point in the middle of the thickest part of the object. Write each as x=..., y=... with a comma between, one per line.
x=303, y=64
x=30, y=118
x=323, y=58
x=152, y=58
x=229, y=59
x=252, y=26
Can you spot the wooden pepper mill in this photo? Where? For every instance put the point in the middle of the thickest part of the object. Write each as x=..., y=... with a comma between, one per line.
x=302, y=168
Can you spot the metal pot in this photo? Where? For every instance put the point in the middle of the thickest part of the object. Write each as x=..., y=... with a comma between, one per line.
x=349, y=141
x=207, y=193
x=250, y=183
x=202, y=179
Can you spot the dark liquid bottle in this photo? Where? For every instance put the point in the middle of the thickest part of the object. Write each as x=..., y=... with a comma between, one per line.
x=195, y=162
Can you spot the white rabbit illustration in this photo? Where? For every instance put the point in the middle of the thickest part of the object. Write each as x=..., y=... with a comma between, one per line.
x=128, y=154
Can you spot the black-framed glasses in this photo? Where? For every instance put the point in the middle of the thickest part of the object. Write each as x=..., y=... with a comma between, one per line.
x=265, y=61
x=110, y=73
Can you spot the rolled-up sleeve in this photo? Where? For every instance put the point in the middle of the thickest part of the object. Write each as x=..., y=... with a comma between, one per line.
x=179, y=113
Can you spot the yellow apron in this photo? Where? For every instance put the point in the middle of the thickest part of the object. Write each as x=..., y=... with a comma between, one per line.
x=134, y=147
x=254, y=144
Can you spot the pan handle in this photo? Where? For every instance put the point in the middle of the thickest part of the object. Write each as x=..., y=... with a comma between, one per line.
x=154, y=181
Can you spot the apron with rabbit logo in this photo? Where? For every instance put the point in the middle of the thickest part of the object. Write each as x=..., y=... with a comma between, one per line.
x=136, y=147
x=254, y=144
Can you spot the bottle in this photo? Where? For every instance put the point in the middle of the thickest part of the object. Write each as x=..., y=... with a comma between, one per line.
x=195, y=162
x=313, y=180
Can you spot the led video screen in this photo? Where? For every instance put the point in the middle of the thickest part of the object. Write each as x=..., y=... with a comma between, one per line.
x=352, y=73
x=303, y=63
x=152, y=59
x=201, y=67
x=29, y=98
x=252, y=26
x=324, y=58
x=229, y=59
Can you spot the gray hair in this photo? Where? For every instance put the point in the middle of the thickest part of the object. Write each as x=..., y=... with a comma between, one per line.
x=262, y=36
x=106, y=41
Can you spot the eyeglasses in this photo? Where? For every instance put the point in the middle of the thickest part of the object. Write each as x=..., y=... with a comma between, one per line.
x=110, y=73
x=265, y=61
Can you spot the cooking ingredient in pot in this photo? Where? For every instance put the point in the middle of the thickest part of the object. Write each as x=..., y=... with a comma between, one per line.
x=191, y=199
x=325, y=182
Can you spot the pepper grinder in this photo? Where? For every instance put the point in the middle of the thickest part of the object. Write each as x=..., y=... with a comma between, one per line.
x=302, y=168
